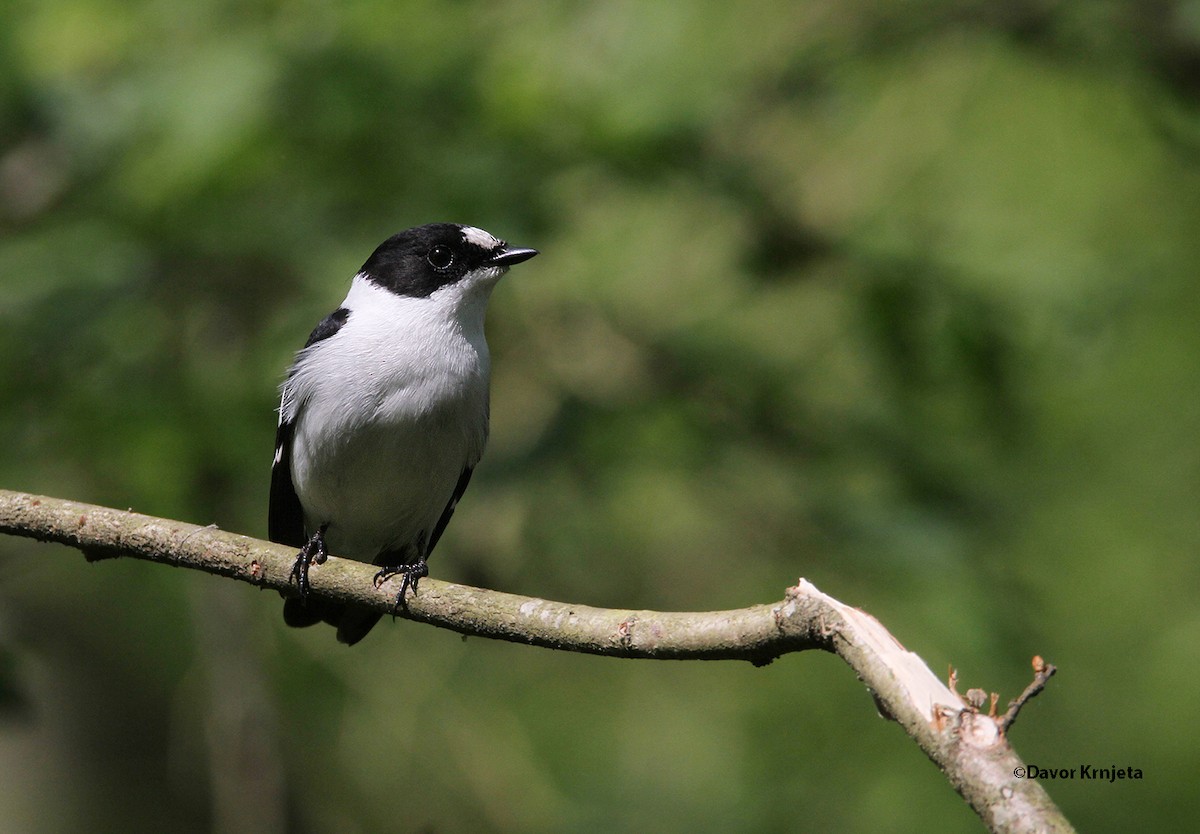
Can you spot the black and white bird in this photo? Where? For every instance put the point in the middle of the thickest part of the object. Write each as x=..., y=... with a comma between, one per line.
x=384, y=414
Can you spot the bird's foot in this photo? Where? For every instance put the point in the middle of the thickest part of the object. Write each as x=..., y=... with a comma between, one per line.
x=313, y=553
x=413, y=573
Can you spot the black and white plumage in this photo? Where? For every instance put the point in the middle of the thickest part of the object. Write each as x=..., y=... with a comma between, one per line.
x=384, y=414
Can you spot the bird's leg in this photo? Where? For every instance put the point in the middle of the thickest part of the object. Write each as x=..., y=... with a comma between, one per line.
x=313, y=552
x=413, y=572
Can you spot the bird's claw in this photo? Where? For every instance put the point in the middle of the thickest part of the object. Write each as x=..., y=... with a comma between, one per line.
x=313, y=552
x=412, y=574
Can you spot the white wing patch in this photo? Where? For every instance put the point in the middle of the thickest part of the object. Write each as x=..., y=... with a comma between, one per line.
x=479, y=238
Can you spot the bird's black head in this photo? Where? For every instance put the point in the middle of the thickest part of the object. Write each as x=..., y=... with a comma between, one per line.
x=419, y=261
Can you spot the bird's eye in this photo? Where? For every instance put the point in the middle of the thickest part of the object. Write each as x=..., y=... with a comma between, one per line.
x=440, y=257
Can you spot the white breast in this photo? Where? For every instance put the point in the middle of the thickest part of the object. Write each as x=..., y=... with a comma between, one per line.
x=388, y=412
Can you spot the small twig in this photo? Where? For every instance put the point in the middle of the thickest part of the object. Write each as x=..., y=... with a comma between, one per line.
x=1042, y=673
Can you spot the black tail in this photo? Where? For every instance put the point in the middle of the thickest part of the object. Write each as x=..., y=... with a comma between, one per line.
x=353, y=622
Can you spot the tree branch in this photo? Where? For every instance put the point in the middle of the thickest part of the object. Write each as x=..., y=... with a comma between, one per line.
x=969, y=747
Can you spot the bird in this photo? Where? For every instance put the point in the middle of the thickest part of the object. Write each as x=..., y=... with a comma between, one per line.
x=383, y=415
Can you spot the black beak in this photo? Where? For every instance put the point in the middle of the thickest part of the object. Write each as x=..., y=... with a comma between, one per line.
x=510, y=255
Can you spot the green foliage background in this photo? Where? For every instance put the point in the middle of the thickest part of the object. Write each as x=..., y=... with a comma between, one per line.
x=900, y=297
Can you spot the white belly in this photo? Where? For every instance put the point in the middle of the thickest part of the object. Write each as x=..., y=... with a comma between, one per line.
x=384, y=485
x=384, y=427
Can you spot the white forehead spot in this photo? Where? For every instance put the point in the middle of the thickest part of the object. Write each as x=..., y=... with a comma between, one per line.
x=479, y=238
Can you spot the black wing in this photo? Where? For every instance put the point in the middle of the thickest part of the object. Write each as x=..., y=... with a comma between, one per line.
x=285, y=522
x=285, y=519
x=329, y=325
x=459, y=489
